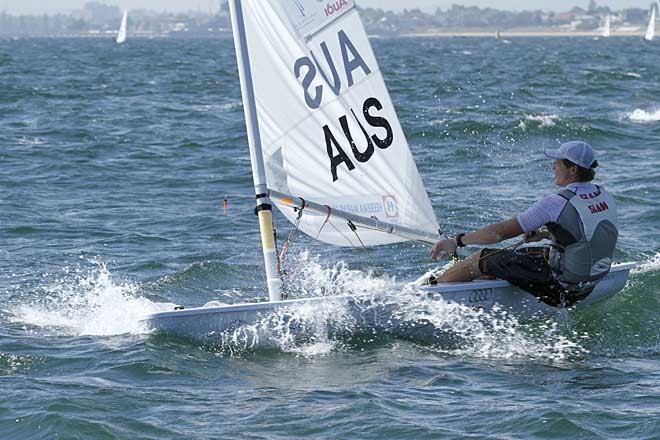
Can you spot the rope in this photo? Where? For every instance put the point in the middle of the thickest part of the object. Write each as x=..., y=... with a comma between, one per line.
x=327, y=220
x=507, y=248
x=364, y=247
x=398, y=234
x=289, y=238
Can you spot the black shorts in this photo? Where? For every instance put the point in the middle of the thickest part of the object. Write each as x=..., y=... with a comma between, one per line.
x=528, y=269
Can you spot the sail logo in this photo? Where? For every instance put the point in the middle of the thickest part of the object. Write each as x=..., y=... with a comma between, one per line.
x=390, y=207
x=308, y=17
x=332, y=8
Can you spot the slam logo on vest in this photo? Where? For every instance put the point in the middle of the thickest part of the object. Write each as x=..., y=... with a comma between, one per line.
x=598, y=206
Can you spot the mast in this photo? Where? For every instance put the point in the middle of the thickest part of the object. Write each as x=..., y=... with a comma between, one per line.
x=264, y=206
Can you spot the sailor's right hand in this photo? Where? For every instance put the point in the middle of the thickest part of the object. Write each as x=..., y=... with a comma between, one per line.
x=443, y=248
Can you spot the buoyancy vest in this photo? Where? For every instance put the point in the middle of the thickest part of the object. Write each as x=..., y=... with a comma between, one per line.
x=584, y=238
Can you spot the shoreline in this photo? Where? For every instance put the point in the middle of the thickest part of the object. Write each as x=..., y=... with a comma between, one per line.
x=521, y=33
x=435, y=33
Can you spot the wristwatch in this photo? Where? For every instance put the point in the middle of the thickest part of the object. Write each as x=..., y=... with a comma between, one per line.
x=459, y=240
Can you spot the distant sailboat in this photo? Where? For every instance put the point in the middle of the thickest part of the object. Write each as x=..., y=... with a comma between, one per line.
x=606, y=27
x=121, y=35
x=650, y=30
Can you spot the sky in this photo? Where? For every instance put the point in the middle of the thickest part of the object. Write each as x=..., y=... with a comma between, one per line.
x=53, y=6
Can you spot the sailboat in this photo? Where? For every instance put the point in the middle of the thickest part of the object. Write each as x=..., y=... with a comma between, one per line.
x=121, y=34
x=327, y=149
x=605, y=33
x=650, y=30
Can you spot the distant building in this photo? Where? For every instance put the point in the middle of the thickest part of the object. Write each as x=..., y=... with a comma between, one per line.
x=98, y=14
x=224, y=7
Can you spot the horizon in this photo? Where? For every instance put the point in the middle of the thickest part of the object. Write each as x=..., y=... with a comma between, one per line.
x=34, y=7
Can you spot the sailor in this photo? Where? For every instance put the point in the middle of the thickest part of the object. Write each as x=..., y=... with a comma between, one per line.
x=580, y=220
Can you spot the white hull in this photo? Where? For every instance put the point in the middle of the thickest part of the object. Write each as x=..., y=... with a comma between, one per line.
x=216, y=323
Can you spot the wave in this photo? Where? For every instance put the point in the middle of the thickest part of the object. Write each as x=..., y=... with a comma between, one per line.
x=87, y=303
x=639, y=115
x=540, y=121
x=90, y=302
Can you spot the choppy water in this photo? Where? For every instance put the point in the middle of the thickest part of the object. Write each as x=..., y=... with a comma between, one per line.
x=113, y=165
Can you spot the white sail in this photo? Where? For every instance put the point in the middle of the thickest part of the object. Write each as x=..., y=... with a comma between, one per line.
x=328, y=129
x=650, y=30
x=606, y=27
x=121, y=35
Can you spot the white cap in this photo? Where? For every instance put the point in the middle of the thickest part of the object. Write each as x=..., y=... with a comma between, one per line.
x=578, y=152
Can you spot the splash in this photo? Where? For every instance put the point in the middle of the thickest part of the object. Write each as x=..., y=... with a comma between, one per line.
x=88, y=303
x=308, y=330
x=643, y=116
x=13, y=364
x=493, y=334
x=357, y=304
x=307, y=277
x=651, y=265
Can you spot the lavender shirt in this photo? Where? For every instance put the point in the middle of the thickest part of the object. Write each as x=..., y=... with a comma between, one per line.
x=549, y=208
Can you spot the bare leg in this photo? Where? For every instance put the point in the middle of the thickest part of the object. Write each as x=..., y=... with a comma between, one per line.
x=466, y=270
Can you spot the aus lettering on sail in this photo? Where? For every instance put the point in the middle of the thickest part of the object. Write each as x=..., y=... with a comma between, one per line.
x=332, y=75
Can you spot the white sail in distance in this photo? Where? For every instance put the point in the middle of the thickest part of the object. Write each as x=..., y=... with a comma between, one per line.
x=606, y=27
x=650, y=30
x=121, y=34
x=329, y=131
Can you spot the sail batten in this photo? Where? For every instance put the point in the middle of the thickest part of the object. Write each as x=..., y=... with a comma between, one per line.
x=328, y=127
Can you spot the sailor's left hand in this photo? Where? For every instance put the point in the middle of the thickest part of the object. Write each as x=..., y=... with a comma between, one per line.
x=538, y=235
x=443, y=248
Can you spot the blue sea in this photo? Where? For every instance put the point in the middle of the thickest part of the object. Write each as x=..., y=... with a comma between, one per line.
x=114, y=162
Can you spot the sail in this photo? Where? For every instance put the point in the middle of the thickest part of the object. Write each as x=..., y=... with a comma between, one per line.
x=328, y=129
x=606, y=27
x=650, y=30
x=121, y=35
